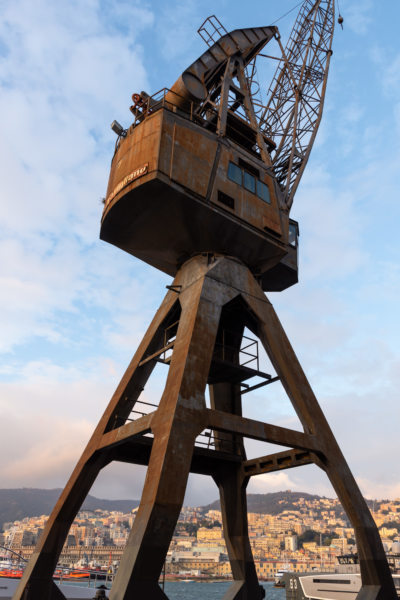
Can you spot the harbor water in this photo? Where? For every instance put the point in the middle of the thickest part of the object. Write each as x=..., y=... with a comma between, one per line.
x=178, y=590
x=196, y=590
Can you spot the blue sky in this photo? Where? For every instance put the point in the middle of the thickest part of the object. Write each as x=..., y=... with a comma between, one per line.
x=73, y=309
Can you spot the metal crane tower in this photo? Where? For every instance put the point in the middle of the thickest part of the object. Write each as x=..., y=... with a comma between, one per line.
x=201, y=187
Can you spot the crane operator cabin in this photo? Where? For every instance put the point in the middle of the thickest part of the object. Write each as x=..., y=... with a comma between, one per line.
x=194, y=174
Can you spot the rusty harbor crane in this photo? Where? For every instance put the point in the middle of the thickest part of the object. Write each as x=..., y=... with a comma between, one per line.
x=201, y=187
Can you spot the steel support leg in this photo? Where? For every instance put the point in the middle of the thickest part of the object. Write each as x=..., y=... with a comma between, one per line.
x=161, y=503
x=232, y=489
x=376, y=578
x=179, y=420
x=37, y=580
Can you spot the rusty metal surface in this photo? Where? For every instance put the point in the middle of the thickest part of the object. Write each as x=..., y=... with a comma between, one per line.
x=214, y=293
x=170, y=195
x=277, y=462
x=195, y=81
x=173, y=210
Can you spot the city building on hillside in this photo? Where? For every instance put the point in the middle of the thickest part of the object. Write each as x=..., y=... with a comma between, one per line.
x=291, y=543
x=100, y=536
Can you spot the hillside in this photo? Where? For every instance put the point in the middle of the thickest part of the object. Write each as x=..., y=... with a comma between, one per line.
x=272, y=503
x=15, y=504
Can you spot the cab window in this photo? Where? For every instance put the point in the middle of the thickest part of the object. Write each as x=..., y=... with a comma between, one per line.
x=249, y=182
x=263, y=191
x=235, y=173
x=293, y=233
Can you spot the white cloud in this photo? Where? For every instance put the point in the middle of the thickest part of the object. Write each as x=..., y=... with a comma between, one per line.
x=358, y=16
x=65, y=74
x=48, y=413
x=375, y=489
x=309, y=479
x=176, y=29
x=388, y=69
x=390, y=73
x=271, y=482
x=330, y=230
x=50, y=455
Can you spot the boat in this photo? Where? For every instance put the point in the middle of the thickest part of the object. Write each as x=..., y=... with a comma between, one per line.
x=74, y=583
x=11, y=573
x=81, y=583
x=279, y=578
x=326, y=586
x=70, y=591
x=78, y=574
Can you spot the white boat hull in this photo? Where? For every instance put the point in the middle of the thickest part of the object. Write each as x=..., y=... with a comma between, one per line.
x=326, y=586
x=76, y=592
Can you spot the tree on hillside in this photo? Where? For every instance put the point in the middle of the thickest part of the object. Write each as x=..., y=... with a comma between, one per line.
x=310, y=535
x=391, y=525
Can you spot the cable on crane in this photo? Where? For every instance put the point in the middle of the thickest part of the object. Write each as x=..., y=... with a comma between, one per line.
x=340, y=18
x=288, y=12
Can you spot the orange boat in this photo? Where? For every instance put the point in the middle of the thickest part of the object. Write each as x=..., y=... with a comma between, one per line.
x=77, y=575
x=12, y=573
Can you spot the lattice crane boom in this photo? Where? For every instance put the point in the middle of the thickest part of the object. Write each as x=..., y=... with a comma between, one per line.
x=296, y=95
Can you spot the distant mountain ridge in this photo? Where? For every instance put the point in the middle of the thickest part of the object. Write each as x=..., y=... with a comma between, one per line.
x=272, y=503
x=15, y=504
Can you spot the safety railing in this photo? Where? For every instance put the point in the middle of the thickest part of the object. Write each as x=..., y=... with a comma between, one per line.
x=209, y=440
x=144, y=105
x=237, y=349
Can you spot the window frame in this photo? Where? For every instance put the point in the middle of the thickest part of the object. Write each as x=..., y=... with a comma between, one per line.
x=263, y=185
x=252, y=178
x=236, y=168
x=259, y=185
